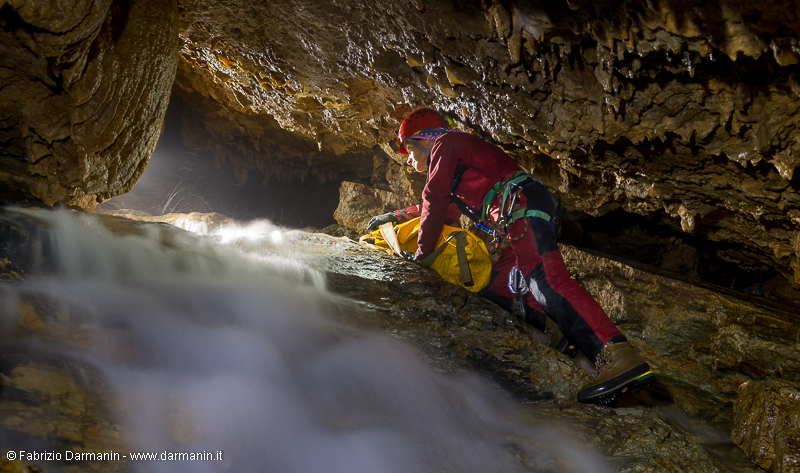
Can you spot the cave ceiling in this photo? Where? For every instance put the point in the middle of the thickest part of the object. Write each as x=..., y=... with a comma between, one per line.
x=683, y=111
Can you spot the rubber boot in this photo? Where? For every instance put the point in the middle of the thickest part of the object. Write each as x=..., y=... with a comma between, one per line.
x=557, y=340
x=619, y=369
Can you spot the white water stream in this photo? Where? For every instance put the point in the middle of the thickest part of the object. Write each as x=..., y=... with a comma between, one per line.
x=204, y=349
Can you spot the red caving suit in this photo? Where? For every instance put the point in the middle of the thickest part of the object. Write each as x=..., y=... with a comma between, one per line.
x=553, y=291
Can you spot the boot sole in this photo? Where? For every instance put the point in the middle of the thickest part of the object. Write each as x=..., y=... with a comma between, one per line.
x=611, y=398
x=566, y=348
x=621, y=384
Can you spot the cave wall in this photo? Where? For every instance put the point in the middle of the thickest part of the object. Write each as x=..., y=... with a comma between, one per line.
x=83, y=91
x=684, y=111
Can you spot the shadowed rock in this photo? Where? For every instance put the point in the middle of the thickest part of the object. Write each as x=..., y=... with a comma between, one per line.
x=83, y=96
x=459, y=332
x=767, y=420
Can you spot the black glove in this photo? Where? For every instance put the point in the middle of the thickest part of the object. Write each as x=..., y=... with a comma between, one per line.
x=379, y=220
x=408, y=256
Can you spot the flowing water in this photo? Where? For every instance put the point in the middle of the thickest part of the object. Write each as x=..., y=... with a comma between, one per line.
x=225, y=346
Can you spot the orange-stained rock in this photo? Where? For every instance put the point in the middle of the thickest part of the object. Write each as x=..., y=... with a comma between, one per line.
x=767, y=424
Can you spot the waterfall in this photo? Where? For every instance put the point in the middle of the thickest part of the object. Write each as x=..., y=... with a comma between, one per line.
x=223, y=346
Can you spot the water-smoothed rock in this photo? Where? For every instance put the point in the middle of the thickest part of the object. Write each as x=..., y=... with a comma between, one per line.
x=767, y=422
x=460, y=332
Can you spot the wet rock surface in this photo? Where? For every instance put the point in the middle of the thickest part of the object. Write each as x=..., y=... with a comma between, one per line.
x=46, y=399
x=491, y=341
x=683, y=112
x=461, y=331
x=767, y=421
x=682, y=424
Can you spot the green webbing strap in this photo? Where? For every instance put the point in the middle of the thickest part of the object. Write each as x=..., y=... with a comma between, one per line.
x=505, y=187
x=530, y=213
x=432, y=257
x=461, y=253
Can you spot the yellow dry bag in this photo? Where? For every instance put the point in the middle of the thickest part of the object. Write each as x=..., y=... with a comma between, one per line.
x=460, y=256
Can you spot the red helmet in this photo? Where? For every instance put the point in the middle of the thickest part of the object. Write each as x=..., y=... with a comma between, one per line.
x=414, y=123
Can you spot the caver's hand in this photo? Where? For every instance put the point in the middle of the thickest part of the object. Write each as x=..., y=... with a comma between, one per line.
x=379, y=220
x=408, y=256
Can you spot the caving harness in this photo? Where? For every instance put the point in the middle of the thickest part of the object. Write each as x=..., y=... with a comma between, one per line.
x=510, y=210
x=429, y=124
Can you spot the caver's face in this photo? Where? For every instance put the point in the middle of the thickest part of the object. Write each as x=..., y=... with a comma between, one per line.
x=417, y=158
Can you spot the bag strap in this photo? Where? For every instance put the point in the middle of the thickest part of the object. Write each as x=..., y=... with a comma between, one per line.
x=390, y=237
x=461, y=254
x=463, y=264
x=432, y=257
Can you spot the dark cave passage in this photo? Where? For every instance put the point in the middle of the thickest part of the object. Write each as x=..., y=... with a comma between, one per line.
x=182, y=180
x=643, y=240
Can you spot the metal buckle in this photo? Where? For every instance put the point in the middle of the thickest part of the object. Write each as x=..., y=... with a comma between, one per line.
x=516, y=281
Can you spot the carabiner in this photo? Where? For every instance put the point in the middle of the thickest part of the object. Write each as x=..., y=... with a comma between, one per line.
x=516, y=281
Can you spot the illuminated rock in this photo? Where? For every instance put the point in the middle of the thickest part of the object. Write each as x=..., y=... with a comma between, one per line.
x=701, y=343
x=683, y=113
x=83, y=96
x=767, y=421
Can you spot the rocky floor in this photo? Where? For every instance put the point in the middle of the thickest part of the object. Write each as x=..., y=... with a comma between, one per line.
x=702, y=343
x=681, y=424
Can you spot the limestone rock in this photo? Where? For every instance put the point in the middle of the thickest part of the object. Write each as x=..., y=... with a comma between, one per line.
x=702, y=345
x=685, y=113
x=695, y=337
x=358, y=203
x=47, y=399
x=83, y=95
x=195, y=221
x=767, y=423
x=257, y=143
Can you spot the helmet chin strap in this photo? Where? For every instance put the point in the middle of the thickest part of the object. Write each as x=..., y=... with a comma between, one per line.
x=413, y=142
